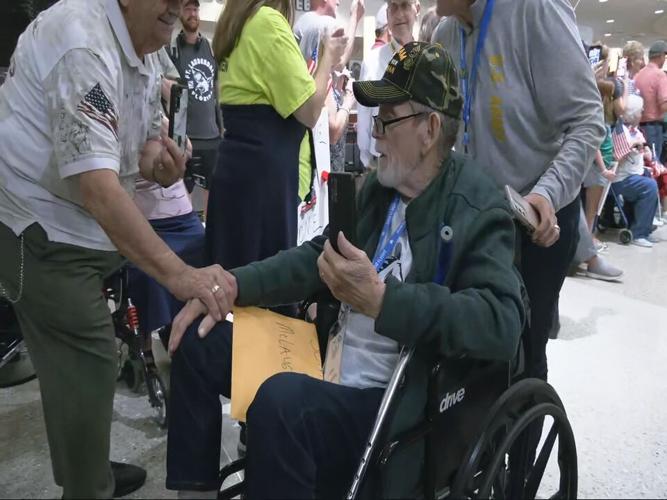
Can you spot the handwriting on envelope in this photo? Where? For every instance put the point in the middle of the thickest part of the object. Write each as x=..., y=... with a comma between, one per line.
x=266, y=343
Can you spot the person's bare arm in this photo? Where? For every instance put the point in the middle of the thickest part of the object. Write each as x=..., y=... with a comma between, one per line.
x=309, y=112
x=338, y=118
x=106, y=200
x=357, y=10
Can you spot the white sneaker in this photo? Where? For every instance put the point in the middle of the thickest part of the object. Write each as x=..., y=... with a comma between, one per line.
x=658, y=222
x=653, y=238
x=642, y=242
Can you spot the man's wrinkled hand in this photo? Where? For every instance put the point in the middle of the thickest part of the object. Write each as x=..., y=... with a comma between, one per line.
x=548, y=230
x=214, y=286
x=194, y=309
x=351, y=277
x=190, y=312
x=610, y=175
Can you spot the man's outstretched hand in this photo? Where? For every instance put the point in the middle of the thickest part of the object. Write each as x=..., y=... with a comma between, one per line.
x=195, y=308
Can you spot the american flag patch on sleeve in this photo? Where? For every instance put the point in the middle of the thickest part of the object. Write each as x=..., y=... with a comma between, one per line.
x=97, y=106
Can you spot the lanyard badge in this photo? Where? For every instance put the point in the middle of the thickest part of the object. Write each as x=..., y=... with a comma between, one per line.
x=469, y=78
x=386, y=246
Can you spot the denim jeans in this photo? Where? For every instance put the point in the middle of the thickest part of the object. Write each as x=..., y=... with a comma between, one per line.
x=653, y=134
x=642, y=192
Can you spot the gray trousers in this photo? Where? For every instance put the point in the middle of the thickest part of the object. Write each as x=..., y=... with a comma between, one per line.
x=68, y=330
x=586, y=248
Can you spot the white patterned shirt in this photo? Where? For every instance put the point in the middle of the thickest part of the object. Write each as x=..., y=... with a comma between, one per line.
x=77, y=98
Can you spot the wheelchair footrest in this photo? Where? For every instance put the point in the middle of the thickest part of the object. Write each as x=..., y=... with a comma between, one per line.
x=227, y=471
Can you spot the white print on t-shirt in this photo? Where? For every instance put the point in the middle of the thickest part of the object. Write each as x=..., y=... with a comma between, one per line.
x=199, y=75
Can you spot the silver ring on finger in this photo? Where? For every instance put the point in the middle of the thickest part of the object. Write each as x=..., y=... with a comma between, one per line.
x=557, y=227
x=215, y=289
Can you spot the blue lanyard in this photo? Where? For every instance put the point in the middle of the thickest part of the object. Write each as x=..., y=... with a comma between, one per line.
x=387, y=246
x=468, y=80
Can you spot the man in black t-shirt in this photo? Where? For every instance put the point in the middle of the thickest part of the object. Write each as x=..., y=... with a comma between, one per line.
x=193, y=57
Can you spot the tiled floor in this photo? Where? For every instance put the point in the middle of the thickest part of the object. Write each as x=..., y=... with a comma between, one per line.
x=608, y=366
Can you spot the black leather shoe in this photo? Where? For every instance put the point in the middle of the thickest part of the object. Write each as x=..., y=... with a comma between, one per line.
x=128, y=478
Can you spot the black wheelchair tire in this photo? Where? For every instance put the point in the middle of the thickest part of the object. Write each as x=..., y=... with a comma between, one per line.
x=133, y=374
x=158, y=397
x=506, y=414
x=18, y=371
x=625, y=236
x=567, y=456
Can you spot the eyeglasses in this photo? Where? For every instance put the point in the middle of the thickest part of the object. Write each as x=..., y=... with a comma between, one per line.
x=380, y=125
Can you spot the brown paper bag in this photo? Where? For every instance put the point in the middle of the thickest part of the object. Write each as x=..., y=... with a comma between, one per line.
x=266, y=343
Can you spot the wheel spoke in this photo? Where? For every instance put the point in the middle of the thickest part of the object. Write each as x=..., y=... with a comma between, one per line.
x=537, y=472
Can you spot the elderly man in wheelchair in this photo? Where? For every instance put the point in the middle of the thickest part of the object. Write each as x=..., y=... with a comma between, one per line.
x=432, y=290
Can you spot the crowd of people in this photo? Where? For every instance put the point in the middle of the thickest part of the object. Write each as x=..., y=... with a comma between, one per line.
x=477, y=101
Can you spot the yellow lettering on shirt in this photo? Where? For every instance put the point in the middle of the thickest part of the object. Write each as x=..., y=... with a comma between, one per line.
x=496, y=64
x=497, y=119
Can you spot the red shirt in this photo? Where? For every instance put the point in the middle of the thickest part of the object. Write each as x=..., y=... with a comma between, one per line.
x=651, y=82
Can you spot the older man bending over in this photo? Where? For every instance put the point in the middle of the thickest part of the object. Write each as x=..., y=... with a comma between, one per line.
x=439, y=277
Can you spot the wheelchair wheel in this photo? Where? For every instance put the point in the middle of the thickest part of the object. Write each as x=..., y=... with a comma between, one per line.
x=18, y=370
x=133, y=374
x=501, y=463
x=625, y=236
x=157, y=395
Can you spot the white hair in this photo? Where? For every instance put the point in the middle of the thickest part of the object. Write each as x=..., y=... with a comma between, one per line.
x=634, y=106
x=449, y=127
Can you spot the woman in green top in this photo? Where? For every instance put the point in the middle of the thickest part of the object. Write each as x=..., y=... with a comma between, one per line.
x=268, y=99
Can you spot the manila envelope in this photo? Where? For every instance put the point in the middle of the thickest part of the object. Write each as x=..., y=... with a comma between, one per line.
x=266, y=343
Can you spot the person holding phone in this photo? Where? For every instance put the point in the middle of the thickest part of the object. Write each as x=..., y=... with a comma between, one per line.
x=433, y=269
x=533, y=125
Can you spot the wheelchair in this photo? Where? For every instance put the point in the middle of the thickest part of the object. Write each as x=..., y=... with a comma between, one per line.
x=616, y=215
x=476, y=429
x=15, y=365
x=136, y=364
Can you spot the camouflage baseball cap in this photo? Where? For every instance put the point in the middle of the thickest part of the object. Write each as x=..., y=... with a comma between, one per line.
x=421, y=72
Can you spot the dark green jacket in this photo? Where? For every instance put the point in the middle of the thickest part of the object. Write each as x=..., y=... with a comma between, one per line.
x=477, y=311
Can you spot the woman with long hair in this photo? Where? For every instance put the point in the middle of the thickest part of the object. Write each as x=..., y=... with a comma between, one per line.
x=268, y=98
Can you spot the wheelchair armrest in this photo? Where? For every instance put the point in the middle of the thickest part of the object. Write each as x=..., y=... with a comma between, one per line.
x=236, y=489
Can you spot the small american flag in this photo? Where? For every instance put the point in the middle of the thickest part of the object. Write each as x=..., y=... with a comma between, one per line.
x=96, y=105
x=621, y=141
x=311, y=62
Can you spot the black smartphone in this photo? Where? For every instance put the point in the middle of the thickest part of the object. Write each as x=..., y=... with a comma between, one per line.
x=178, y=114
x=342, y=208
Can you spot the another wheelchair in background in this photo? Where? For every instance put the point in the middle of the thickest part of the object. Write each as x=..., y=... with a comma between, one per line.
x=136, y=363
x=15, y=365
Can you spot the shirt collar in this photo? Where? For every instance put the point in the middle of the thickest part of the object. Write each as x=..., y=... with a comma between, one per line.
x=477, y=11
x=119, y=28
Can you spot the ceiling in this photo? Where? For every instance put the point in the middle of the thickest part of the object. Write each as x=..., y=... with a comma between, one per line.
x=633, y=20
